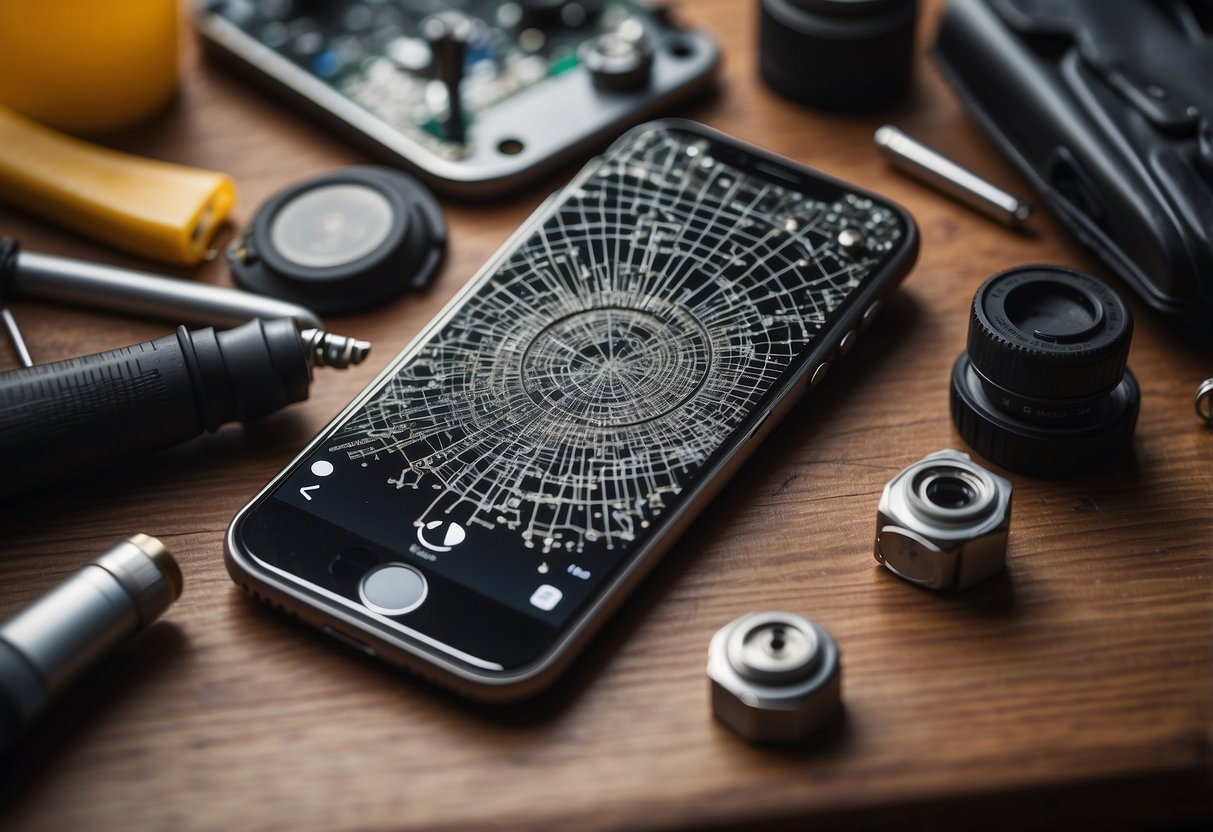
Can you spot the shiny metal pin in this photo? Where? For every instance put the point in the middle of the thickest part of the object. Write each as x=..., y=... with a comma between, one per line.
x=916, y=159
x=14, y=336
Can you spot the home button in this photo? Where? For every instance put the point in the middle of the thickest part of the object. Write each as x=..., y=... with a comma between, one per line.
x=393, y=589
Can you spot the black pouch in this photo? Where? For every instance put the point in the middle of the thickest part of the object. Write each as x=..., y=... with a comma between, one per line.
x=1107, y=109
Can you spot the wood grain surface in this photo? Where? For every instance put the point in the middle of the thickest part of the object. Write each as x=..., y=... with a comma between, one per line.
x=1075, y=691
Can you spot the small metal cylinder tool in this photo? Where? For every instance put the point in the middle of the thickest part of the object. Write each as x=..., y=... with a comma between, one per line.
x=51, y=643
x=27, y=274
x=915, y=158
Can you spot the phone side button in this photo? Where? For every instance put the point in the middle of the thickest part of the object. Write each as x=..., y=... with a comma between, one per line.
x=393, y=589
x=818, y=375
x=870, y=314
x=848, y=341
x=349, y=641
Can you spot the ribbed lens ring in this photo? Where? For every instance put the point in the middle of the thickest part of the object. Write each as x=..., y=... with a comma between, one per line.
x=1049, y=332
x=1043, y=388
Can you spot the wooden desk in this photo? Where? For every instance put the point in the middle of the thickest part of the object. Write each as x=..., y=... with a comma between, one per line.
x=1074, y=691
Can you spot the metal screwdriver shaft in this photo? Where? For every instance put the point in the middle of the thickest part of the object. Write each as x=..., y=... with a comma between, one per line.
x=915, y=158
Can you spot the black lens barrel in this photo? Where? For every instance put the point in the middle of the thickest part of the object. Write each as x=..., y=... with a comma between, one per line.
x=1043, y=388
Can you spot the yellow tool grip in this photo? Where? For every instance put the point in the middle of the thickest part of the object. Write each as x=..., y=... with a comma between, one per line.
x=156, y=209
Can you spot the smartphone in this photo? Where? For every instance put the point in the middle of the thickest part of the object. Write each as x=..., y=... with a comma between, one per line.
x=536, y=84
x=478, y=512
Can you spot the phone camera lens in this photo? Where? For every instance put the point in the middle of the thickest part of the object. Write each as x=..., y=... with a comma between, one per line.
x=1043, y=388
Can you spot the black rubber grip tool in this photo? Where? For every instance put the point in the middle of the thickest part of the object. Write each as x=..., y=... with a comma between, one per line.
x=60, y=419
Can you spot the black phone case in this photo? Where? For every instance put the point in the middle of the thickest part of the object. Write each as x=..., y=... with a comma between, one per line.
x=1107, y=109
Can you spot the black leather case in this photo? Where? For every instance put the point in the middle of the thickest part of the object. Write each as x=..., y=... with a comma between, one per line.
x=1107, y=109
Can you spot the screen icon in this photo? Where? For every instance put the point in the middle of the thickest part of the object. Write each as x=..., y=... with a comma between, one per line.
x=440, y=535
x=546, y=597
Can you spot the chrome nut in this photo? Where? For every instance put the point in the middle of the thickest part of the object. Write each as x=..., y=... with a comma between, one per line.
x=775, y=677
x=942, y=522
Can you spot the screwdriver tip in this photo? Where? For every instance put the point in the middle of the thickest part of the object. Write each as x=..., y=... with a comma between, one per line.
x=327, y=349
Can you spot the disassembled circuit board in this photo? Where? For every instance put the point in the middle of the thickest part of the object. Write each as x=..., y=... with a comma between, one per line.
x=476, y=95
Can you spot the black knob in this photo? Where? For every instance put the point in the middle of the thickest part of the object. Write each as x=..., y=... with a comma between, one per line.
x=839, y=54
x=1049, y=332
x=617, y=63
x=1043, y=387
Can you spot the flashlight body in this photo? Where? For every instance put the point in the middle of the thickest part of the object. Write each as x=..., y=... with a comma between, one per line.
x=60, y=636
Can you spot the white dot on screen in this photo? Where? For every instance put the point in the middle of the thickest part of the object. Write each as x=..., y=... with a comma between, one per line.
x=322, y=467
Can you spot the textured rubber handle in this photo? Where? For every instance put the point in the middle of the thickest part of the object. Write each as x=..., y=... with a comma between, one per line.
x=85, y=413
x=63, y=419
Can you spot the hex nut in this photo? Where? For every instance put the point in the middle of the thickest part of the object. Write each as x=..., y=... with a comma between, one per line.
x=775, y=677
x=943, y=522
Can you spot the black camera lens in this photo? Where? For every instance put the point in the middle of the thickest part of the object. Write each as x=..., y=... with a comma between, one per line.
x=1043, y=388
x=837, y=54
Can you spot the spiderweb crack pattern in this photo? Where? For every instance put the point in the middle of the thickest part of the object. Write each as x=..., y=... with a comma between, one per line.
x=583, y=384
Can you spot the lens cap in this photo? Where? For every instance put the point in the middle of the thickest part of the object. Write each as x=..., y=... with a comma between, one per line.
x=837, y=54
x=1043, y=388
x=342, y=242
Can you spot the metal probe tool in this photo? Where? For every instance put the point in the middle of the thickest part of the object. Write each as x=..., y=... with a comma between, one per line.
x=66, y=418
x=915, y=158
x=28, y=274
x=15, y=337
x=55, y=640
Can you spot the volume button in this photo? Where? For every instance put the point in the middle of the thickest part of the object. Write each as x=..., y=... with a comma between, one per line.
x=870, y=314
x=818, y=374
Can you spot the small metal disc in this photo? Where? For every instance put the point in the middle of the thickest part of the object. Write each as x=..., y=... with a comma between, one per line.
x=342, y=242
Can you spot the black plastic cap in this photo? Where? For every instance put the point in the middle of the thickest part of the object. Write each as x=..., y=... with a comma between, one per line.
x=407, y=257
x=1049, y=332
x=837, y=54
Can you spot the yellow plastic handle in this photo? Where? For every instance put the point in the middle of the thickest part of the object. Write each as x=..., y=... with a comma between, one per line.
x=156, y=209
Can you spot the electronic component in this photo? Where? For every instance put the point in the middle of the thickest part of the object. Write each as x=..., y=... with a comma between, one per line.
x=27, y=274
x=1107, y=111
x=839, y=54
x=55, y=640
x=478, y=97
x=1043, y=388
x=942, y=522
x=155, y=209
x=618, y=62
x=913, y=157
x=775, y=677
x=342, y=241
x=62, y=419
